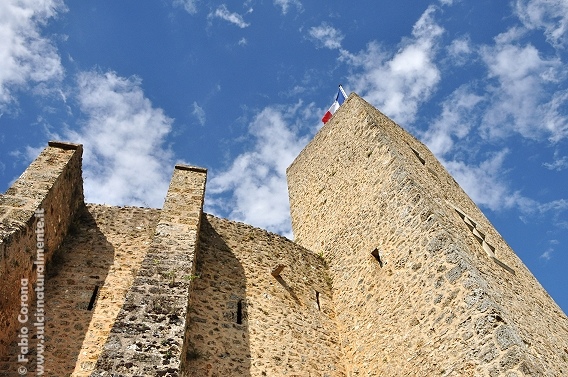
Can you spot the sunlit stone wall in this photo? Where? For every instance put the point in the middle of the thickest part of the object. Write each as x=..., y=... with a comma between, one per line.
x=422, y=282
x=52, y=185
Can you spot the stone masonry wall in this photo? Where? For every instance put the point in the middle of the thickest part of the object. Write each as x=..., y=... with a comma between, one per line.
x=147, y=337
x=423, y=284
x=87, y=281
x=95, y=267
x=53, y=183
x=245, y=321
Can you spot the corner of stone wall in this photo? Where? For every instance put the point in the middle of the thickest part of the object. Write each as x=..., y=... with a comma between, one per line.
x=148, y=337
x=35, y=215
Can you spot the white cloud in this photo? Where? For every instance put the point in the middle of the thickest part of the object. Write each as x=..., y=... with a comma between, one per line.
x=559, y=163
x=285, y=5
x=199, y=113
x=459, y=114
x=550, y=15
x=253, y=189
x=397, y=84
x=31, y=153
x=223, y=13
x=555, y=212
x=547, y=255
x=190, y=6
x=520, y=92
x=460, y=51
x=26, y=57
x=485, y=185
x=555, y=206
x=326, y=36
x=123, y=136
x=555, y=116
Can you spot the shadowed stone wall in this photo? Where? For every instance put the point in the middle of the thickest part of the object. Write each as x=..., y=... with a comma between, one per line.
x=52, y=183
x=87, y=280
x=423, y=284
x=87, y=283
x=261, y=306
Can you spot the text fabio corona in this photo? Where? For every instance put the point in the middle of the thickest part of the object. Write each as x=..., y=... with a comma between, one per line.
x=26, y=314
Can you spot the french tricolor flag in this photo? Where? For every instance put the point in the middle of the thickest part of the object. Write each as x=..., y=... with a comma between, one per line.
x=339, y=99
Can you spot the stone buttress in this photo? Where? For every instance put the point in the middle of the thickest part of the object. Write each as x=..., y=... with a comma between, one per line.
x=147, y=338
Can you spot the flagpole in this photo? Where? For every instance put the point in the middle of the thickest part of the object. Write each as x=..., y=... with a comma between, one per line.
x=342, y=91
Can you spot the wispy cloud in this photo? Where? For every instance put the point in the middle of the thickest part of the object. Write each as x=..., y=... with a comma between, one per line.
x=398, y=83
x=460, y=51
x=199, y=113
x=484, y=183
x=554, y=206
x=26, y=57
x=521, y=94
x=286, y=4
x=549, y=15
x=547, y=255
x=559, y=163
x=326, y=36
x=123, y=137
x=190, y=6
x=232, y=17
x=549, y=252
x=453, y=137
x=459, y=115
x=253, y=189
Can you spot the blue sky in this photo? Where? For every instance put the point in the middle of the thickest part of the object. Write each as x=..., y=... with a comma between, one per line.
x=240, y=87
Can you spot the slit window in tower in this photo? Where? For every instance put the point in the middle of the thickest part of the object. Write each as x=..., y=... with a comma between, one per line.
x=318, y=300
x=240, y=312
x=375, y=253
x=93, y=298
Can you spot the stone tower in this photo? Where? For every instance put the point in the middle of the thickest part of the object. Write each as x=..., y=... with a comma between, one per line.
x=394, y=272
x=422, y=282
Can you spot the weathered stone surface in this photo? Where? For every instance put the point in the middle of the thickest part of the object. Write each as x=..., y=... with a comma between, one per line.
x=151, y=325
x=394, y=272
x=103, y=250
x=244, y=321
x=450, y=294
x=51, y=184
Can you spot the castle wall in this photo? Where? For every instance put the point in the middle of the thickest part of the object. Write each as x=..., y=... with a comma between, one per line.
x=245, y=321
x=147, y=338
x=51, y=183
x=88, y=279
x=423, y=284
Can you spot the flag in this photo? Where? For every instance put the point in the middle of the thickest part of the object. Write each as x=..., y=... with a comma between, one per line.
x=339, y=99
